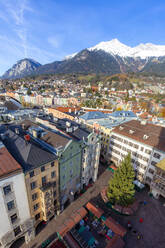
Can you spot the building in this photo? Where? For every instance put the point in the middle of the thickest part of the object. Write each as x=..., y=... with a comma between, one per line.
x=16, y=220
x=40, y=168
x=68, y=152
x=103, y=124
x=144, y=141
x=88, y=141
x=158, y=182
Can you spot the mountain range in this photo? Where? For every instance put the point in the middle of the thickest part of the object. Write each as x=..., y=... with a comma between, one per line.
x=109, y=57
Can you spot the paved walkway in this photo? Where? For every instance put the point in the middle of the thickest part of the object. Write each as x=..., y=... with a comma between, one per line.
x=50, y=229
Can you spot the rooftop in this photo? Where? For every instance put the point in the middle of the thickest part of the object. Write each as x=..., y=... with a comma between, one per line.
x=8, y=164
x=143, y=132
x=93, y=115
x=161, y=164
x=28, y=154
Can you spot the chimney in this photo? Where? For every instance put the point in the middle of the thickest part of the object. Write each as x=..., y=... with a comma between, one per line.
x=27, y=138
x=143, y=122
x=17, y=130
x=23, y=126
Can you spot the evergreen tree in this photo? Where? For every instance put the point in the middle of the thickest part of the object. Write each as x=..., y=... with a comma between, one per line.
x=121, y=188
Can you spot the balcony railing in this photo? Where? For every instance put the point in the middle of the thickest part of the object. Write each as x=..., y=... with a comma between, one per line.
x=48, y=185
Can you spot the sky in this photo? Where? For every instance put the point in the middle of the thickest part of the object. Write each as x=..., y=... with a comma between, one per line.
x=48, y=30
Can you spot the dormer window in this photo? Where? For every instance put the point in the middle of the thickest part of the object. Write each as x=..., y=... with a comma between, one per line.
x=131, y=131
x=145, y=137
x=121, y=128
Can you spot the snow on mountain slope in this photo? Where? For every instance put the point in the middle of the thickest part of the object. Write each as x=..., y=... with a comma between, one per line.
x=115, y=47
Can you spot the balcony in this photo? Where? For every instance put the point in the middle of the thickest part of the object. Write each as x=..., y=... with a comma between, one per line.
x=48, y=185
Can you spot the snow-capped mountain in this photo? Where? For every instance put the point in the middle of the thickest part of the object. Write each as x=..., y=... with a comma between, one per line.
x=115, y=47
x=22, y=68
x=106, y=57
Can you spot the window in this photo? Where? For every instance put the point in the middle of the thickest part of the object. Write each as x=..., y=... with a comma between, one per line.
x=33, y=185
x=31, y=174
x=34, y=196
x=147, y=151
x=53, y=174
x=10, y=205
x=63, y=177
x=37, y=216
x=17, y=230
x=7, y=189
x=142, y=148
x=13, y=218
x=54, y=194
x=36, y=206
x=52, y=164
x=153, y=163
x=43, y=180
x=148, y=179
x=151, y=171
x=42, y=168
x=157, y=155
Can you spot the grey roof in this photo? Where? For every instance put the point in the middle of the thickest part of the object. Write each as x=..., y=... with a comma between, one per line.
x=93, y=115
x=123, y=114
x=28, y=154
x=80, y=133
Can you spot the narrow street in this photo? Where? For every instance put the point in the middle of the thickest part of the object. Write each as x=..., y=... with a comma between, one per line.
x=50, y=228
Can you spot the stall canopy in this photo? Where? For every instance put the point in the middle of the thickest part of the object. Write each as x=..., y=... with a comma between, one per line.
x=70, y=241
x=98, y=212
x=78, y=215
x=115, y=242
x=115, y=227
x=72, y=221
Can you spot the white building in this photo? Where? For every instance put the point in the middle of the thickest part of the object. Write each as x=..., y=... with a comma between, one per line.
x=15, y=216
x=144, y=141
x=90, y=159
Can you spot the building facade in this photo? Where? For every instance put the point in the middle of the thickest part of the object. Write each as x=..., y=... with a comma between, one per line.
x=40, y=168
x=144, y=141
x=16, y=220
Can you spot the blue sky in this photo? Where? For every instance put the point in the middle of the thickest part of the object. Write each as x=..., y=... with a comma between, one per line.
x=48, y=30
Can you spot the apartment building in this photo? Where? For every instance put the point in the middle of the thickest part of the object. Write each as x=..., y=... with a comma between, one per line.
x=40, y=168
x=158, y=182
x=16, y=220
x=103, y=124
x=144, y=141
x=88, y=141
x=68, y=152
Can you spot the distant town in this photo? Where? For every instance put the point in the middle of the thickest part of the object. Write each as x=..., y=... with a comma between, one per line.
x=82, y=161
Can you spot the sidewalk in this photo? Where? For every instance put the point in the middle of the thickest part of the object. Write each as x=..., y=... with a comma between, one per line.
x=50, y=229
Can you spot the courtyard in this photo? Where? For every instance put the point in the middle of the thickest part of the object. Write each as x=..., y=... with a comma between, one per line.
x=152, y=227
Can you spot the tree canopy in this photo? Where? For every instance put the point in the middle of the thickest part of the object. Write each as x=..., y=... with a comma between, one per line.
x=121, y=188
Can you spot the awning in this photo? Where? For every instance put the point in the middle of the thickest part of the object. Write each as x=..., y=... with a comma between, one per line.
x=98, y=212
x=115, y=227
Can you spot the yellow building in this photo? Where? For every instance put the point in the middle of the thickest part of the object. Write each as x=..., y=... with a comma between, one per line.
x=42, y=190
x=40, y=168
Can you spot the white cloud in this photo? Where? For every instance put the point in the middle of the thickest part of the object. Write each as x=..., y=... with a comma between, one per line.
x=53, y=41
x=15, y=10
x=56, y=41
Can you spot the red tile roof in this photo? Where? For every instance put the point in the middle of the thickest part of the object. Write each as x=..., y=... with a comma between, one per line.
x=8, y=164
x=66, y=109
